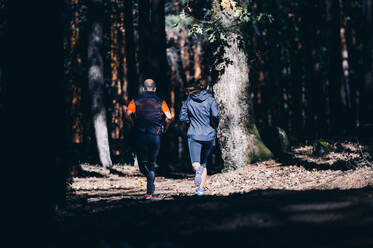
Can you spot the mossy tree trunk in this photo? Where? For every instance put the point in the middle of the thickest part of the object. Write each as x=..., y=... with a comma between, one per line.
x=239, y=138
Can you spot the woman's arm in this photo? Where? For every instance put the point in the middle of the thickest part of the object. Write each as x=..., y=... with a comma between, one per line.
x=215, y=113
x=184, y=112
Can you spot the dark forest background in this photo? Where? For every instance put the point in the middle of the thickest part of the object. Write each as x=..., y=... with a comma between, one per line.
x=310, y=70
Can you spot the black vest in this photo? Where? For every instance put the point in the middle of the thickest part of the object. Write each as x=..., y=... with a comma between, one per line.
x=148, y=117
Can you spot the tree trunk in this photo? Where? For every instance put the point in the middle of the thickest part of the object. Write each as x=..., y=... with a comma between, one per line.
x=144, y=37
x=133, y=77
x=337, y=108
x=366, y=89
x=239, y=139
x=158, y=48
x=1, y=66
x=96, y=81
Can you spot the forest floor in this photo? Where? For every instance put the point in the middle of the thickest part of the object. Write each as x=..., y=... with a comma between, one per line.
x=331, y=194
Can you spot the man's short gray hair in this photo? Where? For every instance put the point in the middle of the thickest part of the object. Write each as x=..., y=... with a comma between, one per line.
x=149, y=84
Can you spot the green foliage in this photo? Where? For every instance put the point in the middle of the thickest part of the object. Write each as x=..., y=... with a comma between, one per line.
x=177, y=21
x=213, y=30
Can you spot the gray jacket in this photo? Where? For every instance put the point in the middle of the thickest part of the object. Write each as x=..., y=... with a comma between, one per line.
x=199, y=111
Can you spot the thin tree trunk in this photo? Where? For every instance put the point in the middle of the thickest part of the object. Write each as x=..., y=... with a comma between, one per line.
x=133, y=77
x=144, y=38
x=96, y=81
x=276, y=99
x=366, y=90
x=337, y=109
x=309, y=36
x=345, y=85
x=185, y=54
x=158, y=48
x=159, y=68
x=1, y=66
x=239, y=139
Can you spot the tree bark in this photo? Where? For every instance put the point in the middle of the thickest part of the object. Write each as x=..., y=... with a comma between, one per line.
x=239, y=139
x=1, y=66
x=158, y=49
x=366, y=88
x=133, y=77
x=96, y=81
x=336, y=91
x=144, y=37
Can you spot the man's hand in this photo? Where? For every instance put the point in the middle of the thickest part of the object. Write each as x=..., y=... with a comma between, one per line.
x=129, y=118
x=168, y=121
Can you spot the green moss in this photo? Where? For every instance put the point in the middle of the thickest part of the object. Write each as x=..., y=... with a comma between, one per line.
x=321, y=147
x=263, y=153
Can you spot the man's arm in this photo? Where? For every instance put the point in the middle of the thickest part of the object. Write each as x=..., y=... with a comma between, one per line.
x=130, y=109
x=129, y=118
x=168, y=121
x=166, y=111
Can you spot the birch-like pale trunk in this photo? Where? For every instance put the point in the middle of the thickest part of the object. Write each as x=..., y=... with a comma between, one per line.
x=239, y=138
x=96, y=87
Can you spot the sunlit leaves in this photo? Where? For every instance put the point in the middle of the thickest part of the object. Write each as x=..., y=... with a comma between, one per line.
x=178, y=21
x=264, y=17
x=228, y=4
x=195, y=29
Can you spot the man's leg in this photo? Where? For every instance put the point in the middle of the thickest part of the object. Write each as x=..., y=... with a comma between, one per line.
x=150, y=187
x=142, y=149
x=154, y=146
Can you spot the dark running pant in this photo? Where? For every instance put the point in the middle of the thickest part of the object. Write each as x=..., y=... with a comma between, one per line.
x=199, y=150
x=147, y=147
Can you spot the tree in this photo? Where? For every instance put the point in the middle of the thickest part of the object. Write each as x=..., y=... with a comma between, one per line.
x=144, y=38
x=366, y=90
x=239, y=138
x=338, y=92
x=96, y=80
x=133, y=78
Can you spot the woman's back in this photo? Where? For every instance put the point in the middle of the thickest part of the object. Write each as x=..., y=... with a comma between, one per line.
x=197, y=110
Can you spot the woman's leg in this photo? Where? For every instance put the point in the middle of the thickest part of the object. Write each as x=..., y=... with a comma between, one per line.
x=204, y=178
x=205, y=152
x=195, y=156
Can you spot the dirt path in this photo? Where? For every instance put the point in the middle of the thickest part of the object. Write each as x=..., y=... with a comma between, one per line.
x=98, y=185
x=305, y=201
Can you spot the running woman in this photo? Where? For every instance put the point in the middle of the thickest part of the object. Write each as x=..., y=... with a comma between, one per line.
x=148, y=110
x=201, y=112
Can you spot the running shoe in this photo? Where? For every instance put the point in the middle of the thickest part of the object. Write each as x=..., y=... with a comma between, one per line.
x=199, y=192
x=148, y=197
x=198, y=176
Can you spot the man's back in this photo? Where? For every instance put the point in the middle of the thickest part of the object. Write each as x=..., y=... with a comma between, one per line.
x=148, y=109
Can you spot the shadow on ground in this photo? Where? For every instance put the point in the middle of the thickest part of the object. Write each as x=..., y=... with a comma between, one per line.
x=270, y=218
x=290, y=159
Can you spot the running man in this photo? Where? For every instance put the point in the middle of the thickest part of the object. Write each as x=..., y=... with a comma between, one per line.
x=148, y=110
x=201, y=112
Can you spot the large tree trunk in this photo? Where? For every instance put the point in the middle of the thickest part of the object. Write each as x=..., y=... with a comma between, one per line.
x=239, y=139
x=96, y=81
